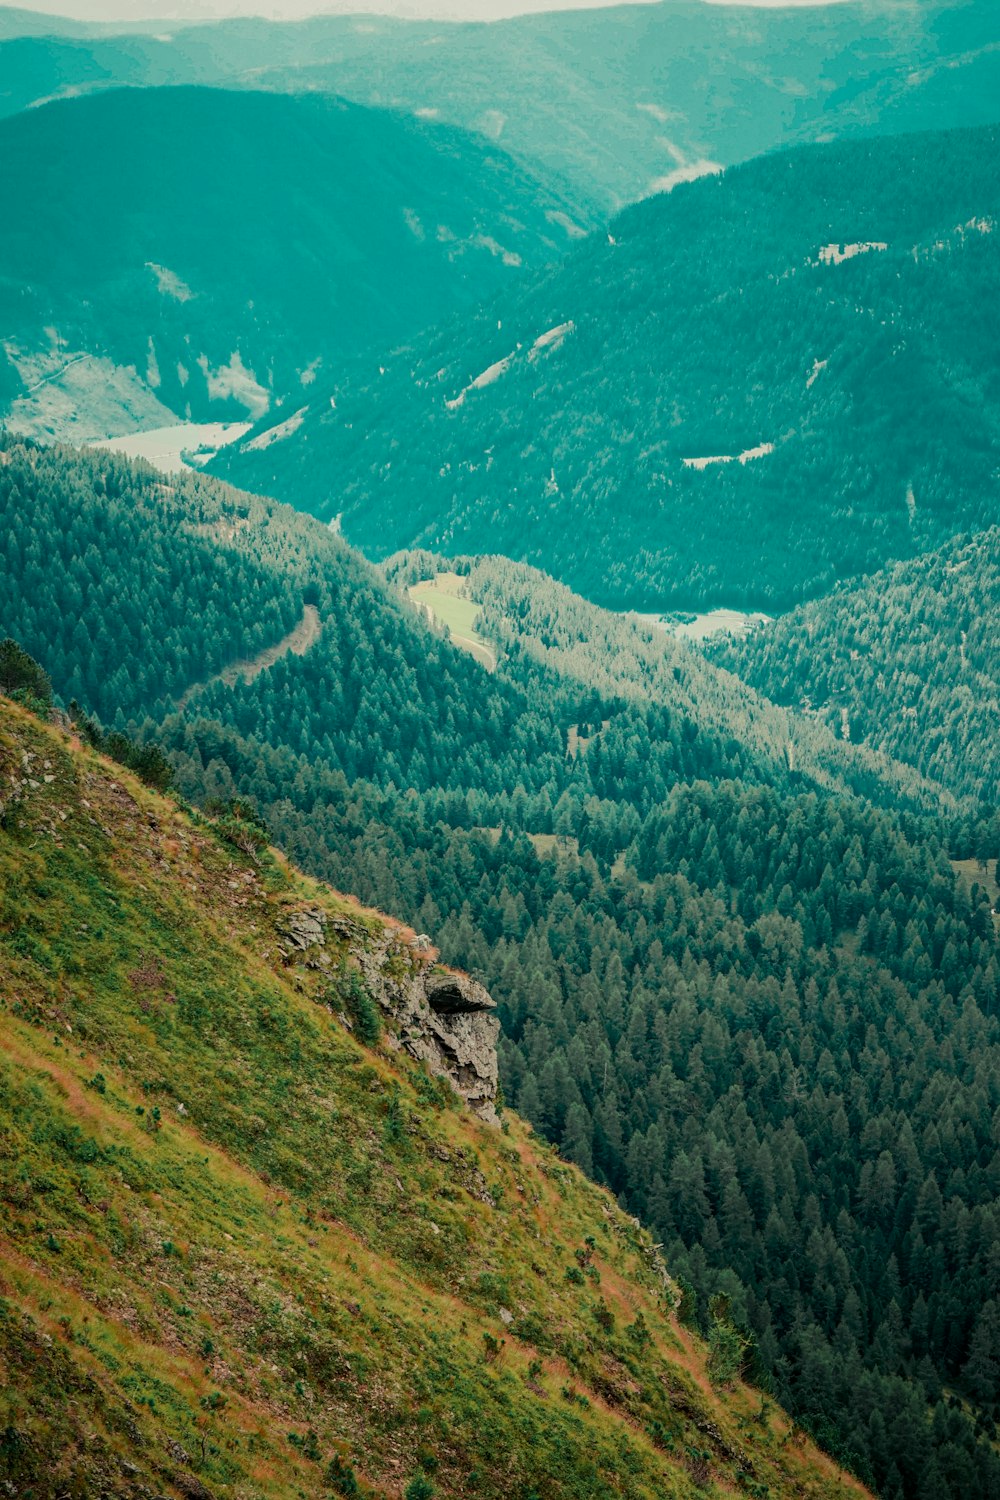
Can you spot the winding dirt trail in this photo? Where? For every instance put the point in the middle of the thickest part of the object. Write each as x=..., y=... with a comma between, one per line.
x=297, y=642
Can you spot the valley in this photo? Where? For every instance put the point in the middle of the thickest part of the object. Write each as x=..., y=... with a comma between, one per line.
x=597, y=900
x=690, y=625
x=184, y=446
x=499, y=794
x=718, y=621
x=475, y=439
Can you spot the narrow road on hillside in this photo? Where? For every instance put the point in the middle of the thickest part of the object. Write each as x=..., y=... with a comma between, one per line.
x=297, y=642
x=47, y=379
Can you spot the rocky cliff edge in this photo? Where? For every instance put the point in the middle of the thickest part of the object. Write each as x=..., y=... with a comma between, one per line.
x=437, y=1015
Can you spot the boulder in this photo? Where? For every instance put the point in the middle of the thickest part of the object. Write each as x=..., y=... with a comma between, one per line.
x=446, y=1020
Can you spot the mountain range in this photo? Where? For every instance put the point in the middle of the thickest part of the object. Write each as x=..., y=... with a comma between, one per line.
x=489, y=372
x=173, y=301
x=609, y=102
x=691, y=907
x=798, y=325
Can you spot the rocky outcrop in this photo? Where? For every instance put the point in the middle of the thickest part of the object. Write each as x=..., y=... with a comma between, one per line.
x=439, y=1016
x=305, y=929
x=446, y=1019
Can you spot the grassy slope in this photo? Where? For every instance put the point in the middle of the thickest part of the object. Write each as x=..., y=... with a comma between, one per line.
x=235, y=1242
x=445, y=601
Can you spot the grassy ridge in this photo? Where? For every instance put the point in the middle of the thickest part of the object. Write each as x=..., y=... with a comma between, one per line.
x=237, y=1246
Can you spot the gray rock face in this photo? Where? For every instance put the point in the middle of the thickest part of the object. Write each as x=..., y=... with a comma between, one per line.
x=446, y=1020
x=451, y=994
x=304, y=929
x=438, y=1016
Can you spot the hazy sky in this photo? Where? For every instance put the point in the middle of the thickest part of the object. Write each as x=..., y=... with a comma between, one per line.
x=468, y=10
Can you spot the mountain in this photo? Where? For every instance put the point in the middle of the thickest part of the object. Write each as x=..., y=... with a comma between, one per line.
x=535, y=625
x=905, y=660
x=624, y=99
x=208, y=604
x=740, y=980
x=646, y=421
x=36, y=68
x=609, y=101
x=263, y=241
x=15, y=21
x=253, y=1238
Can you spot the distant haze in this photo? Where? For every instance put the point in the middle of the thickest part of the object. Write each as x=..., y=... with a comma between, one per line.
x=452, y=10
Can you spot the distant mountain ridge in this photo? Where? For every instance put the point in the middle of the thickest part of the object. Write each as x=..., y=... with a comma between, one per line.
x=607, y=101
x=259, y=239
x=645, y=421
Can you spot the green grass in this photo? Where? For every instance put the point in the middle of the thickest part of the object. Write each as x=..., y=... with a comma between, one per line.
x=235, y=1243
x=445, y=601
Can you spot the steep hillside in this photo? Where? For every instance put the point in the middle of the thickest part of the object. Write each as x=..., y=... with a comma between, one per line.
x=263, y=244
x=244, y=1252
x=647, y=421
x=536, y=626
x=906, y=661
x=707, y=955
x=610, y=101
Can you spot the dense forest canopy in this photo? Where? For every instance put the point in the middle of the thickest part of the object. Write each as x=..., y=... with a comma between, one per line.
x=264, y=242
x=804, y=325
x=906, y=660
x=712, y=962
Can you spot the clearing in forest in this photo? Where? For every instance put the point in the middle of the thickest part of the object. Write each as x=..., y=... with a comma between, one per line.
x=982, y=872
x=446, y=600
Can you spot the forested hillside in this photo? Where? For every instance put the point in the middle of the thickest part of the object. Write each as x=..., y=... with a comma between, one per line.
x=251, y=1246
x=264, y=243
x=906, y=661
x=626, y=660
x=708, y=968
x=650, y=1149
x=804, y=328
x=610, y=101
x=136, y=594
